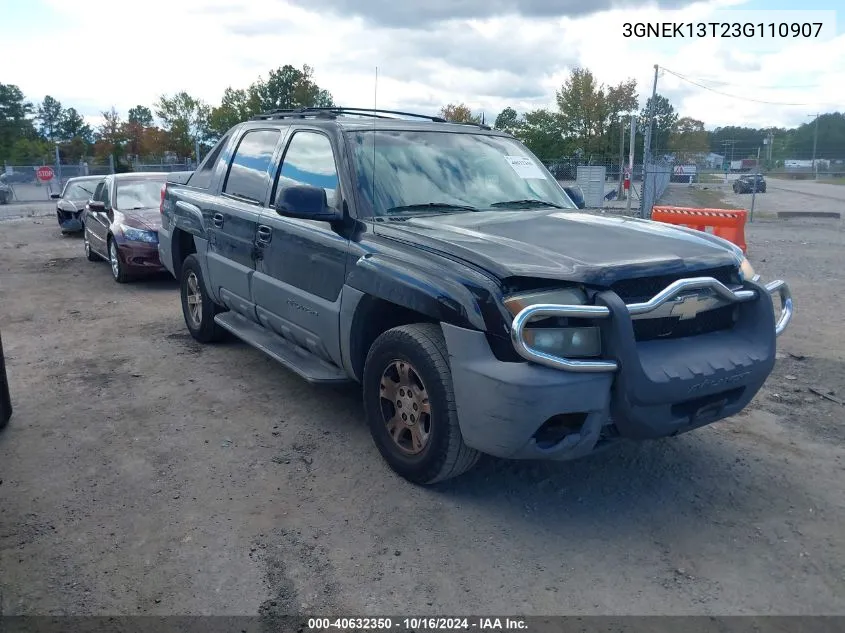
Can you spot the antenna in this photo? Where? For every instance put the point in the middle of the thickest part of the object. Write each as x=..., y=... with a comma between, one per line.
x=375, y=107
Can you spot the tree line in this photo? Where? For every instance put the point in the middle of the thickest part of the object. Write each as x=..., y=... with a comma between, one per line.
x=591, y=120
x=588, y=121
x=173, y=126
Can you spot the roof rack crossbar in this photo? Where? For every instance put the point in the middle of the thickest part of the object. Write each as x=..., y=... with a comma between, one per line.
x=281, y=113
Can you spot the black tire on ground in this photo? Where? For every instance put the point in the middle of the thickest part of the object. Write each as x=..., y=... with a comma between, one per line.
x=5, y=397
x=445, y=455
x=204, y=329
x=118, y=270
x=90, y=255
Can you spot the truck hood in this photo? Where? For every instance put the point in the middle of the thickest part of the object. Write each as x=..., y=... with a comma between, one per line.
x=566, y=245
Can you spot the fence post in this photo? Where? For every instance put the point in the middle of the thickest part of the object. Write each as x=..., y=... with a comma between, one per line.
x=111, y=163
x=58, y=166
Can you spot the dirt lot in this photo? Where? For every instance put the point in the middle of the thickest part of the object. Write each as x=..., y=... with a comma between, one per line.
x=143, y=473
x=781, y=195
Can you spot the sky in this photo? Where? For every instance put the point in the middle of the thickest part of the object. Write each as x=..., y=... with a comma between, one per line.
x=489, y=54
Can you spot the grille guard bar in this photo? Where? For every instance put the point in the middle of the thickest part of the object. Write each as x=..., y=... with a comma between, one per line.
x=669, y=293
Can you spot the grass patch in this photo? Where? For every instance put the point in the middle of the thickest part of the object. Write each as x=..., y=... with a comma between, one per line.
x=706, y=179
x=832, y=181
x=709, y=199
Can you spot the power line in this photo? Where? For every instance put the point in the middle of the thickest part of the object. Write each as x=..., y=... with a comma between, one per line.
x=745, y=85
x=725, y=94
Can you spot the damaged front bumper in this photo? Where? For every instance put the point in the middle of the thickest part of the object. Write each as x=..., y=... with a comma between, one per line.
x=70, y=221
x=561, y=408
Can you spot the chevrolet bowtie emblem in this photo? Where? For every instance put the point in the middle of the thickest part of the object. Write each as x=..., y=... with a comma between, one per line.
x=688, y=307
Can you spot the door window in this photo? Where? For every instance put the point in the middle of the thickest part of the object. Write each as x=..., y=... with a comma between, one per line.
x=309, y=160
x=249, y=176
x=106, y=194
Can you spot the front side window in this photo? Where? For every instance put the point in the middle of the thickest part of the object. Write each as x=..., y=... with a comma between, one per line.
x=249, y=174
x=437, y=172
x=106, y=194
x=309, y=160
x=137, y=194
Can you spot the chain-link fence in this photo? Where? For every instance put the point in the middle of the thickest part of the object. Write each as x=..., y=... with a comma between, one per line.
x=23, y=184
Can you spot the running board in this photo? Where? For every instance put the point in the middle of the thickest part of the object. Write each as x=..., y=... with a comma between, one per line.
x=295, y=358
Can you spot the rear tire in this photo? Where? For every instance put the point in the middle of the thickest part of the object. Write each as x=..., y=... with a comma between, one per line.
x=410, y=406
x=197, y=306
x=90, y=255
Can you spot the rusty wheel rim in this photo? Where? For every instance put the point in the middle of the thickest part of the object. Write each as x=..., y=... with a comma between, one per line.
x=405, y=407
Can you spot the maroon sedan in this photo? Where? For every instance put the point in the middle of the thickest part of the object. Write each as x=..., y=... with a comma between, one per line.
x=121, y=223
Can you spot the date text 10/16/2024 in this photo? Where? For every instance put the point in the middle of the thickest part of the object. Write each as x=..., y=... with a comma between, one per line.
x=418, y=624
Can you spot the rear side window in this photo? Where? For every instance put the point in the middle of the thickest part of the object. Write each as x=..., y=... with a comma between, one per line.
x=202, y=176
x=249, y=175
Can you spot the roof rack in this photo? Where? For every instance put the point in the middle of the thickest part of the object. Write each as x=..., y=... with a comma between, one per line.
x=334, y=112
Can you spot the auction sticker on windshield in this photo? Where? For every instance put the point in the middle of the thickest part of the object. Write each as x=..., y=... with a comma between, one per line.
x=524, y=167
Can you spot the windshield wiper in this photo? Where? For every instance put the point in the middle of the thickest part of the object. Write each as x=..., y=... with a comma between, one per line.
x=528, y=202
x=445, y=206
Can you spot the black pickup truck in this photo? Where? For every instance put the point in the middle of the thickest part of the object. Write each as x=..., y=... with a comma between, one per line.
x=442, y=266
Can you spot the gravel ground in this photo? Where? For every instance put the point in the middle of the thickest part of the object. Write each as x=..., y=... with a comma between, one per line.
x=143, y=473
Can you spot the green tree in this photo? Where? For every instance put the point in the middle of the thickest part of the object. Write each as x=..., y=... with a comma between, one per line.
x=621, y=99
x=72, y=126
x=459, y=113
x=287, y=87
x=235, y=107
x=665, y=119
x=590, y=111
x=688, y=137
x=185, y=120
x=508, y=120
x=15, y=121
x=140, y=115
x=31, y=150
x=110, y=137
x=542, y=133
x=49, y=117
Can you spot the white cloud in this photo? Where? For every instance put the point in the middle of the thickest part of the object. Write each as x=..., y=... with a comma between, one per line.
x=130, y=56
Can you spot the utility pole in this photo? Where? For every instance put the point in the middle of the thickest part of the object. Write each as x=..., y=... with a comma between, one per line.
x=725, y=144
x=815, y=144
x=631, y=163
x=647, y=141
x=619, y=191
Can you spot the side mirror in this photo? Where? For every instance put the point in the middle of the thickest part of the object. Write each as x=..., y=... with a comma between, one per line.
x=306, y=202
x=96, y=206
x=55, y=196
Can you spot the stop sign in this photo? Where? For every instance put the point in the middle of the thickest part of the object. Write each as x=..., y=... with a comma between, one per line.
x=44, y=173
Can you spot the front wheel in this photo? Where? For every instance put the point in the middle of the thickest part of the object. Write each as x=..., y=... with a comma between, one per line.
x=118, y=271
x=410, y=405
x=197, y=306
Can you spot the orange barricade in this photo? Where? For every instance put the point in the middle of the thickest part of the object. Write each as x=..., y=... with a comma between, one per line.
x=727, y=223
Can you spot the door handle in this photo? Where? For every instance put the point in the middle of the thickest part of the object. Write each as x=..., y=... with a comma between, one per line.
x=265, y=234
x=218, y=220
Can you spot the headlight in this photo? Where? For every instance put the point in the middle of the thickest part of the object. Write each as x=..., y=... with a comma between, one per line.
x=139, y=235
x=568, y=342
x=746, y=271
x=546, y=336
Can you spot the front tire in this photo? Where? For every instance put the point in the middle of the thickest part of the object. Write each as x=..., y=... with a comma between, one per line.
x=410, y=406
x=197, y=306
x=118, y=270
